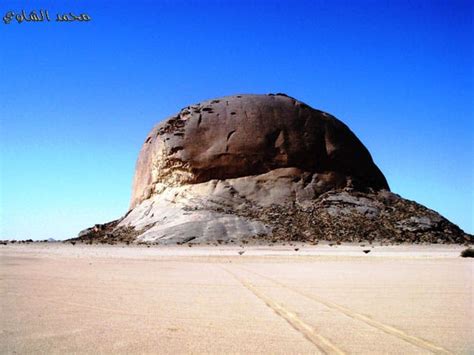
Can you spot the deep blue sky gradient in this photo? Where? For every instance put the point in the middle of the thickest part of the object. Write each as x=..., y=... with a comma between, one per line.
x=77, y=99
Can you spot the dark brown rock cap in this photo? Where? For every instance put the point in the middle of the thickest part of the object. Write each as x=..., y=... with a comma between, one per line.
x=243, y=135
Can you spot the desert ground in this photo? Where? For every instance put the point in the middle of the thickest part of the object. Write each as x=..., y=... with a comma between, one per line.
x=59, y=298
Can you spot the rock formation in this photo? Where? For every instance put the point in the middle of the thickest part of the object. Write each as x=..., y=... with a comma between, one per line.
x=264, y=167
x=248, y=135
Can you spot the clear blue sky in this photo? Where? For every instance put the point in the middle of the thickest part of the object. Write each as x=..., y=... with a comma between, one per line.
x=77, y=99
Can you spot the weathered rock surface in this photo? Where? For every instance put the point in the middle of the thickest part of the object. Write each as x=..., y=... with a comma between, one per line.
x=242, y=210
x=264, y=168
x=247, y=135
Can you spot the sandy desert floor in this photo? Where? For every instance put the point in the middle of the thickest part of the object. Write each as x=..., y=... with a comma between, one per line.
x=59, y=298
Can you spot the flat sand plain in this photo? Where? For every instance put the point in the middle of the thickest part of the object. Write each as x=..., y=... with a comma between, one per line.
x=58, y=298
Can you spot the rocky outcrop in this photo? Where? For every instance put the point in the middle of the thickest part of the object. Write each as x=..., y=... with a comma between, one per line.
x=274, y=210
x=264, y=168
x=248, y=135
x=351, y=216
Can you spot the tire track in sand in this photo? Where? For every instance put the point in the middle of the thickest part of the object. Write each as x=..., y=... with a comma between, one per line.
x=398, y=333
x=299, y=325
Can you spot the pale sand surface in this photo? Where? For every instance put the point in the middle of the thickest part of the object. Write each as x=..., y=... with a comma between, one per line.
x=59, y=298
